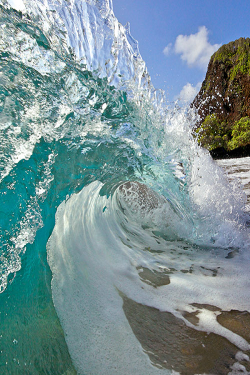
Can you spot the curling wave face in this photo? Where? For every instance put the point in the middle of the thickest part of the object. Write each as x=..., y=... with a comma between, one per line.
x=148, y=238
x=106, y=255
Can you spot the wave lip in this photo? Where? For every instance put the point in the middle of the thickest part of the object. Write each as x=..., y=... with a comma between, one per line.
x=100, y=43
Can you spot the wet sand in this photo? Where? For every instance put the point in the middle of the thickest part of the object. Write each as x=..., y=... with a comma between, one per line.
x=171, y=344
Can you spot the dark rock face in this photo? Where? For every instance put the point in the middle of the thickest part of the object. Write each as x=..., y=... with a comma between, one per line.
x=222, y=153
x=225, y=94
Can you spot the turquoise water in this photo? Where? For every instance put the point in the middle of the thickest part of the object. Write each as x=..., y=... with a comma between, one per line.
x=72, y=131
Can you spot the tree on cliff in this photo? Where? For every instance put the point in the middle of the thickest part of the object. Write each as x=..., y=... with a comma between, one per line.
x=223, y=102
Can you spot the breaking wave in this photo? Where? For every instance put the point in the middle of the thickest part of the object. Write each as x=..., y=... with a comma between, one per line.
x=112, y=218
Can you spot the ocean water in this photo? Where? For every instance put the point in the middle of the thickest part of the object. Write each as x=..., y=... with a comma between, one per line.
x=124, y=246
x=238, y=170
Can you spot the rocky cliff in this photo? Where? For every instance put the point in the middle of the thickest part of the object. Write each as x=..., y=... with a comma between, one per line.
x=223, y=102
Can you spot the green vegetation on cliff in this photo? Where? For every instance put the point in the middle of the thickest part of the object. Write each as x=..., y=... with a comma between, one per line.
x=213, y=134
x=240, y=134
x=236, y=56
x=223, y=102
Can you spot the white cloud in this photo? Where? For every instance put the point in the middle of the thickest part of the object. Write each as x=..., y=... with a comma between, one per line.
x=188, y=92
x=167, y=49
x=195, y=49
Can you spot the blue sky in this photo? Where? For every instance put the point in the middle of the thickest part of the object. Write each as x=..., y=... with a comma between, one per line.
x=177, y=37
